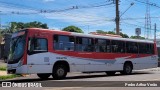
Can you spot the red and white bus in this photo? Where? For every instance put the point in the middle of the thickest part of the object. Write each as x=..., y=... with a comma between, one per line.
x=50, y=52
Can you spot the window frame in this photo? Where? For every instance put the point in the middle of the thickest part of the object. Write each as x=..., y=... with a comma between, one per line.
x=124, y=46
x=63, y=42
x=151, y=48
x=106, y=44
x=36, y=51
x=92, y=42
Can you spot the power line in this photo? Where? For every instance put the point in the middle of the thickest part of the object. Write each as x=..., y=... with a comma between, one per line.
x=18, y=5
x=137, y=25
x=149, y=3
x=127, y=9
x=139, y=18
x=53, y=11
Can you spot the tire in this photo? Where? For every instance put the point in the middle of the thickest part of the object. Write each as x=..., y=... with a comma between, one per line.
x=127, y=69
x=110, y=73
x=43, y=76
x=59, y=71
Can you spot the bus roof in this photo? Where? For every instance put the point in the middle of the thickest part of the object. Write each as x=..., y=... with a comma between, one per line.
x=92, y=36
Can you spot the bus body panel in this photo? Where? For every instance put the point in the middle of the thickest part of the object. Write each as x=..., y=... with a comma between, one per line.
x=39, y=64
x=79, y=61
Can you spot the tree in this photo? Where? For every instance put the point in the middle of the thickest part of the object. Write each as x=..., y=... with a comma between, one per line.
x=124, y=35
x=15, y=26
x=137, y=37
x=101, y=32
x=72, y=29
x=112, y=32
x=35, y=24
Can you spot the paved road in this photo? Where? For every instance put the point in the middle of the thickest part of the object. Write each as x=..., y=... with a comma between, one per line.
x=94, y=81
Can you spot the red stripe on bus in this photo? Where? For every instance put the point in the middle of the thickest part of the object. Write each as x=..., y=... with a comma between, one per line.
x=95, y=55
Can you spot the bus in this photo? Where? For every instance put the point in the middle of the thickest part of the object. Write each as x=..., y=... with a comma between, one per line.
x=52, y=52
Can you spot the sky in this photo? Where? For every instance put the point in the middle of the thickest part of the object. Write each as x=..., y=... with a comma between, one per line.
x=89, y=15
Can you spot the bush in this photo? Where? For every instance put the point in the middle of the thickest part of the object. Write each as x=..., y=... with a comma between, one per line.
x=3, y=68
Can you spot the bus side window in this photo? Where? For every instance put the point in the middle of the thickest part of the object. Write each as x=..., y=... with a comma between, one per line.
x=152, y=48
x=142, y=48
x=148, y=50
x=63, y=42
x=131, y=47
x=84, y=44
x=100, y=45
x=118, y=46
x=37, y=45
x=108, y=46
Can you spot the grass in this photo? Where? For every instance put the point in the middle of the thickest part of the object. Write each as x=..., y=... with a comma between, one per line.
x=3, y=68
x=9, y=76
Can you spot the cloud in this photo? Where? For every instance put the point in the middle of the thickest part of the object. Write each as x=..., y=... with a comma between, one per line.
x=15, y=10
x=85, y=18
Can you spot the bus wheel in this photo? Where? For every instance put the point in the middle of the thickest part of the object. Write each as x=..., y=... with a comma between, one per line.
x=59, y=71
x=110, y=73
x=43, y=75
x=127, y=69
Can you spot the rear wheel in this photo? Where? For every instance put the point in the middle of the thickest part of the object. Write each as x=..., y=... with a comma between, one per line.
x=43, y=76
x=59, y=71
x=110, y=73
x=127, y=69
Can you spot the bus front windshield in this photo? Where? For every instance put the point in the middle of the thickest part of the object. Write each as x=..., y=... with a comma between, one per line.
x=17, y=47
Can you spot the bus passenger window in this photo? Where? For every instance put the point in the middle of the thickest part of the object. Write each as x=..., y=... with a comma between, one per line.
x=101, y=45
x=142, y=48
x=62, y=42
x=84, y=44
x=118, y=46
x=38, y=44
x=151, y=48
x=131, y=47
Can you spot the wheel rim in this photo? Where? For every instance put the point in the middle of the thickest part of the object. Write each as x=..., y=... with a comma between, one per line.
x=60, y=72
x=128, y=69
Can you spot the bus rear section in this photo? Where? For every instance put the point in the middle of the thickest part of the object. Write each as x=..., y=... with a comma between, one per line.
x=49, y=52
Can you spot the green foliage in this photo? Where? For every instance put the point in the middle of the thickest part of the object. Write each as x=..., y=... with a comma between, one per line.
x=124, y=35
x=3, y=68
x=137, y=37
x=72, y=29
x=15, y=26
x=111, y=32
x=9, y=76
x=101, y=32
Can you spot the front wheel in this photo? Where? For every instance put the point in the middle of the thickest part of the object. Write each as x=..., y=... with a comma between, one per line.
x=127, y=69
x=43, y=76
x=59, y=71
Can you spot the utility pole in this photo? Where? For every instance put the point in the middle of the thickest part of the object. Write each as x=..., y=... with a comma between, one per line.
x=117, y=17
x=155, y=30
